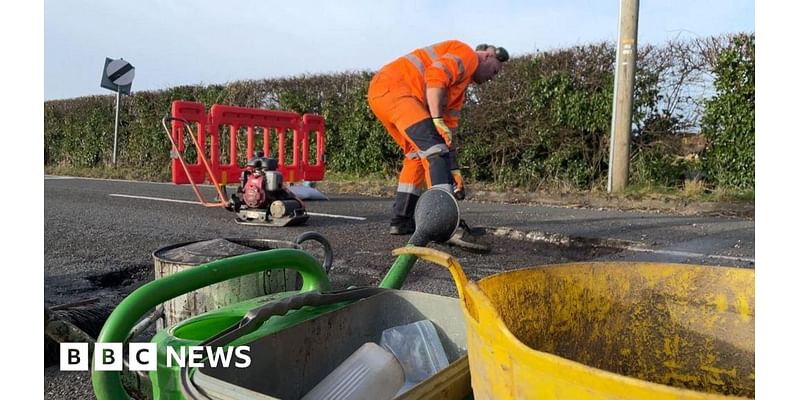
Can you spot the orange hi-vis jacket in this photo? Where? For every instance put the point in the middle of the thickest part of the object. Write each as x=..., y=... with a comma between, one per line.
x=449, y=64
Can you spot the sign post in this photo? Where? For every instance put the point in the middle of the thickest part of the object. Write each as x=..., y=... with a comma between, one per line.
x=116, y=128
x=118, y=76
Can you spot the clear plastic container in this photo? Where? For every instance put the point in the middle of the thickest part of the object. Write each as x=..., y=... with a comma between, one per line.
x=371, y=373
x=418, y=349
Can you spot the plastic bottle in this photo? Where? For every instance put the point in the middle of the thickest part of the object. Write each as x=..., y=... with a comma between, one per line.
x=419, y=350
x=371, y=373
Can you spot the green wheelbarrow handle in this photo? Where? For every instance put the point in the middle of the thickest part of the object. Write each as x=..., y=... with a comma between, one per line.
x=108, y=384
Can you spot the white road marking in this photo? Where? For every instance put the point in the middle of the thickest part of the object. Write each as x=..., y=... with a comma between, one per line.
x=338, y=216
x=197, y=202
x=154, y=198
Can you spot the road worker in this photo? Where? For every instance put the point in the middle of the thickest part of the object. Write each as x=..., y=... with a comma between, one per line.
x=418, y=98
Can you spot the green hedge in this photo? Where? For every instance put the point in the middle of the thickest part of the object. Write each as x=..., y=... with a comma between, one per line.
x=729, y=120
x=543, y=123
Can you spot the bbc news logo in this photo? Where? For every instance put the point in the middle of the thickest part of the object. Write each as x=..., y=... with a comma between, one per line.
x=144, y=356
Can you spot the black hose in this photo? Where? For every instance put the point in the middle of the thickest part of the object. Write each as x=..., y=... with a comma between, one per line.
x=327, y=263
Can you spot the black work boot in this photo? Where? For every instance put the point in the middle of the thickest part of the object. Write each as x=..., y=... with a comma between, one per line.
x=403, y=209
x=466, y=238
x=402, y=226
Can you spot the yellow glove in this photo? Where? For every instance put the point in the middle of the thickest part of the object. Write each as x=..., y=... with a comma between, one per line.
x=444, y=130
x=459, y=193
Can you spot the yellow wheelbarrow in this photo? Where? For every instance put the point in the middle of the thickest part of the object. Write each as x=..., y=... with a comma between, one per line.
x=608, y=330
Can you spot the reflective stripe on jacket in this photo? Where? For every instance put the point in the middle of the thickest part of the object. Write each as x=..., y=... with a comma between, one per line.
x=449, y=64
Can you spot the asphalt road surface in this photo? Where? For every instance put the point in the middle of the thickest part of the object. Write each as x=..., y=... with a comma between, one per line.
x=100, y=236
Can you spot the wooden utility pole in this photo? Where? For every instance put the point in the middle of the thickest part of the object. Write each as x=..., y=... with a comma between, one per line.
x=619, y=153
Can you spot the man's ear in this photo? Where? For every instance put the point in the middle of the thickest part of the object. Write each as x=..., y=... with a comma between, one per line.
x=502, y=54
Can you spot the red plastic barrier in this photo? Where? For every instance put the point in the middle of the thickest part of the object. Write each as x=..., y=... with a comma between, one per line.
x=314, y=124
x=192, y=112
x=231, y=120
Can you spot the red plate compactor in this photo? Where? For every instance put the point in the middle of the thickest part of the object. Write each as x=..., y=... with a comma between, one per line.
x=262, y=199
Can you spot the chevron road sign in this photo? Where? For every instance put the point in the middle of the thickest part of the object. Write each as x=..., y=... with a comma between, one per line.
x=117, y=76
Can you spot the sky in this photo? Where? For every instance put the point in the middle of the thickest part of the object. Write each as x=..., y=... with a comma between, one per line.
x=182, y=42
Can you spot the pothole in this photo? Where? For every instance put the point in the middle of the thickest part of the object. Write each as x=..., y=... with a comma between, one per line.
x=514, y=248
x=88, y=318
x=562, y=240
x=86, y=302
x=121, y=277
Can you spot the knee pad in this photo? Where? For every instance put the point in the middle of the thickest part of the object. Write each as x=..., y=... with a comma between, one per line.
x=439, y=169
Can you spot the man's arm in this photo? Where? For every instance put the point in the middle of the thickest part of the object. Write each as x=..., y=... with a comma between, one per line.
x=437, y=98
x=436, y=105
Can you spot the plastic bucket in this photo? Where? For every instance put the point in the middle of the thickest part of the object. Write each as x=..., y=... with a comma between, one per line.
x=608, y=330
